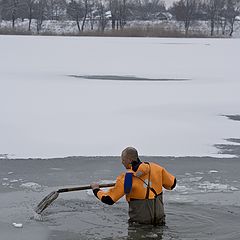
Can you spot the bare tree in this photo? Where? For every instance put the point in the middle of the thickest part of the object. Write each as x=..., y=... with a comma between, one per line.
x=214, y=9
x=185, y=11
x=85, y=13
x=73, y=10
x=113, y=6
x=56, y=9
x=78, y=11
x=14, y=7
x=52, y=8
x=118, y=10
x=150, y=8
x=40, y=8
x=232, y=11
x=222, y=23
x=30, y=6
x=101, y=10
x=122, y=17
x=91, y=12
x=220, y=20
x=1, y=9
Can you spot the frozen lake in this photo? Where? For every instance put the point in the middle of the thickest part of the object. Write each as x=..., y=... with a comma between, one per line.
x=164, y=96
x=67, y=96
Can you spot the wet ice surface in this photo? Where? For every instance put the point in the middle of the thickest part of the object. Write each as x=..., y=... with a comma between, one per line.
x=204, y=205
x=233, y=147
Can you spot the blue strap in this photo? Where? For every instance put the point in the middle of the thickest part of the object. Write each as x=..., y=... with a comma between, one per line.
x=128, y=183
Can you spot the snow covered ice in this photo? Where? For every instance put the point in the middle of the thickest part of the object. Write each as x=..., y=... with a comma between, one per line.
x=71, y=96
x=47, y=113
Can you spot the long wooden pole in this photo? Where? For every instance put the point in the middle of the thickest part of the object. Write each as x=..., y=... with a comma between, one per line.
x=84, y=188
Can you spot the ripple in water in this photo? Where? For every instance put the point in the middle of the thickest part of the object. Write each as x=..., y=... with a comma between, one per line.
x=190, y=221
x=82, y=219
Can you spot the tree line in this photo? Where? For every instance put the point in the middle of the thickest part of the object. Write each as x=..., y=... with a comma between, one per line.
x=219, y=13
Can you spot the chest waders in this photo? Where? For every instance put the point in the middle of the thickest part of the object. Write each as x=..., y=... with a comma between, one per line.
x=148, y=211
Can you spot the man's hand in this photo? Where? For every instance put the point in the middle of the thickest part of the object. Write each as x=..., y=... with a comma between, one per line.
x=94, y=185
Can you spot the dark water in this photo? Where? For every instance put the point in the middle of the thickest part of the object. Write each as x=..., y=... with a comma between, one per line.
x=184, y=221
x=205, y=204
x=233, y=117
x=127, y=78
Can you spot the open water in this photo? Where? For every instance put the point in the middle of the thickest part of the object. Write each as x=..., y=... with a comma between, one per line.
x=204, y=205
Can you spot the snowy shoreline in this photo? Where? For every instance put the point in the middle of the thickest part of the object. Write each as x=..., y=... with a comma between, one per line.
x=137, y=28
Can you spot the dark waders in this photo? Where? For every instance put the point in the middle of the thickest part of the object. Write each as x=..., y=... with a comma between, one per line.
x=147, y=211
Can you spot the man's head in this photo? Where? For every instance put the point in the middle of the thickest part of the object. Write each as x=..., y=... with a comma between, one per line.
x=128, y=156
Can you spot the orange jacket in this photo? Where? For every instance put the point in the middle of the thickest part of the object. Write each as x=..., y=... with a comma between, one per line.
x=159, y=178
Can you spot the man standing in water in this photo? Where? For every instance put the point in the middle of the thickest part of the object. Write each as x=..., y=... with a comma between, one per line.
x=142, y=184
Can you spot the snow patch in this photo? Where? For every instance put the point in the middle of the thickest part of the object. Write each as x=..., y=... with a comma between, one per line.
x=181, y=188
x=216, y=187
x=37, y=217
x=56, y=169
x=14, y=181
x=5, y=184
x=17, y=225
x=195, y=179
x=32, y=186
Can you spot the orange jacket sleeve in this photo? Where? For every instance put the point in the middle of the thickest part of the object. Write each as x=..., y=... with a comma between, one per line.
x=115, y=192
x=168, y=180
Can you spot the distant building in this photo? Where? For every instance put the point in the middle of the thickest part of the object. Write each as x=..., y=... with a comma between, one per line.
x=163, y=16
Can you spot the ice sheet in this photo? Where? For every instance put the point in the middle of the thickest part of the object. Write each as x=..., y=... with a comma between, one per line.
x=46, y=113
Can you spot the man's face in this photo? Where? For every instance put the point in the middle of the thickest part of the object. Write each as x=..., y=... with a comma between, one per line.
x=126, y=162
